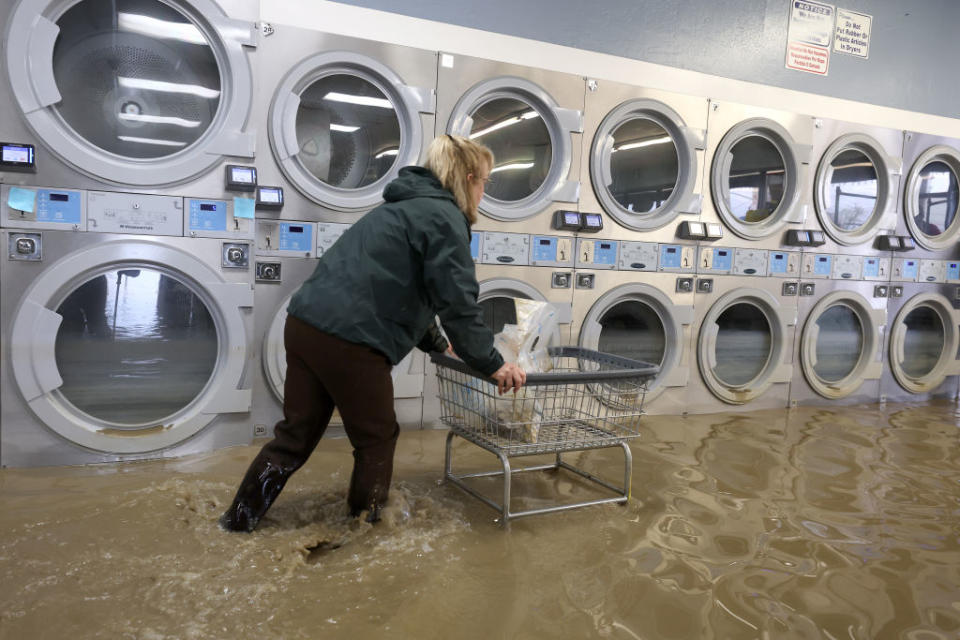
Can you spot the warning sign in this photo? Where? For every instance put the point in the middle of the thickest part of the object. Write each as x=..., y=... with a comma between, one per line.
x=809, y=36
x=852, y=35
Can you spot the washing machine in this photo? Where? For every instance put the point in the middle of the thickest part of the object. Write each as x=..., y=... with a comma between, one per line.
x=643, y=171
x=532, y=120
x=745, y=315
x=286, y=255
x=921, y=350
x=930, y=194
x=509, y=266
x=137, y=94
x=841, y=328
x=341, y=116
x=127, y=343
x=635, y=299
x=759, y=175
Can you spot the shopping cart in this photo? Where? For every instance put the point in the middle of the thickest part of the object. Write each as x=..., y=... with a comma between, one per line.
x=588, y=400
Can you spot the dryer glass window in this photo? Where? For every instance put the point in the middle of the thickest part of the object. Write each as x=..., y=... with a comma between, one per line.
x=633, y=330
x=937, y=199
x=498, y=311
x=743, y=344
x=922, y=342
x=134, y=347
x=521, y=145
x=850, y=190
x=137, y=77
x=643, y=164
x=348, y=131
x=757, y=179
x=839, y=343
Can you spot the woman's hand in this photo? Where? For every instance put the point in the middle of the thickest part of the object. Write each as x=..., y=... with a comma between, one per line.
x=509, y=376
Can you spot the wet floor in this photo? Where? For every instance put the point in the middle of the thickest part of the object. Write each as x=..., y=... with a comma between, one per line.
x=812, y=523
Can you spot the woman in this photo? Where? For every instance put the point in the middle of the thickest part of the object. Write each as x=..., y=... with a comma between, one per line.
x=371, y=299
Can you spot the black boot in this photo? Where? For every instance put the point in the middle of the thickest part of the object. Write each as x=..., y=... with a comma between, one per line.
x=260, y=487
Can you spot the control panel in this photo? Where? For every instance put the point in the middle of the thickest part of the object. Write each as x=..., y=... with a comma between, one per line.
x=905, y=269
x=952, y=271
x=43, y=208
x=551, y=251
x=327, y=234
x=215, y=219
x=715, y=260
x=750, y=262
x=596, y=254
x=505, y=248
x=638, y=256
x=476, y=239
x=284, y=238
x=818, y=266
x=784, y=264
x=677, y=258
x=876, y=269
x=137, y=213
x=847, y=267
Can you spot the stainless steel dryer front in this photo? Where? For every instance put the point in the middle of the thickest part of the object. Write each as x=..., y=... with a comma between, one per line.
x=122, y=346
x=841, y=329
x=532, y=120
x=342, y=116
x=131, y=93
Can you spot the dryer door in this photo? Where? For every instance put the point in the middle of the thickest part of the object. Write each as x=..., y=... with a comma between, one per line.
x=496, y=300
x=133, y=92
x=639, y=321
x=932, y=198
x=923, y=343
x=341, y=126
x=839, y=344
x=531, y=140
x=643, y=165
x=406, y=384
x=131, y=346
x=743, y=346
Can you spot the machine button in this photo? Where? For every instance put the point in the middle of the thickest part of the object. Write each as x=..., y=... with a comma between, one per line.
x=896, y=291
x=807, y=289
x=880, y=291
x=584, y=281
x=789, y=288
x=704, y=285
x=268, y=272
x=235, y=255
x=26, y=246
x=560, y=280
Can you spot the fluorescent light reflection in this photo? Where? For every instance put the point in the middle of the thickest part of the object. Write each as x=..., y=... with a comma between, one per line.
x=512, y=167
x=163, y=29
x=643, y=143
x=387, y=152
x=365, y=101
x=343, y=128
x=179, y=122
x=505, y=123
x=162, y=143
x=167, y=87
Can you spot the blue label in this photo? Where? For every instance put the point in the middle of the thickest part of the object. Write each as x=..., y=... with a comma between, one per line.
x=544, y=249
x=475, y=245
x=604, y=252
x=953, y=271
x=295, y=237
x=722, y=259
x=778, y=262
x=822, y=264
x=207, y=215
x=871, y=268
x=58, y=206
x=910, y=268
x=670, y=256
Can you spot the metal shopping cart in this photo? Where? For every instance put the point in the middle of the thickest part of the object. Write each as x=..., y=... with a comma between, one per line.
x=588, y=400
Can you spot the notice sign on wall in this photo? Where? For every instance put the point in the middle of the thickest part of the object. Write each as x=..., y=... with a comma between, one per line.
x=853, y=33
x=809, y=35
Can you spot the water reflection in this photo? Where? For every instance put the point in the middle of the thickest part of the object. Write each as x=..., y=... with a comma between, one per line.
x=850, y=190
x=135, y=346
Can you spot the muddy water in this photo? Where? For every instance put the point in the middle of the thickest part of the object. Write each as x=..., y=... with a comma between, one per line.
x=811, y=523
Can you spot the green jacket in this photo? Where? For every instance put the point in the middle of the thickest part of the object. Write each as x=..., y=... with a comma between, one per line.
x=383, y=281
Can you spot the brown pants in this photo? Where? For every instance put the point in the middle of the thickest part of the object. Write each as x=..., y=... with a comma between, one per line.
x=324, y=372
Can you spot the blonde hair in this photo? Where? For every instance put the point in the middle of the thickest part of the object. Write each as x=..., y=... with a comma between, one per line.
x=453, y=158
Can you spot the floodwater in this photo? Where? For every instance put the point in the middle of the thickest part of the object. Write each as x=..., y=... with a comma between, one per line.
x=808, y=523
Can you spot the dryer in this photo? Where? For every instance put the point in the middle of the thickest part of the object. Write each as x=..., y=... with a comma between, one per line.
x=532, y=120
x=135, y=94
x=744, y=329
x=635, y=299
x=924, y=331
x=930, y=194
x=287, y=254
x=841, y=327
x=342, y=116
x=644, y=162
x=122, y=346
x=759, y=174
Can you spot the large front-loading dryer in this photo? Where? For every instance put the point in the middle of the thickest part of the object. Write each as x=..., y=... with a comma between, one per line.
x=921, y=350
x=643, y=162
x=122, y=346
x=841, y=327
x=930, y=195
x=140, y=94
x=635, y=299
x=341, y=116
x=532, y=120
x=745, y=314
x=759, y=174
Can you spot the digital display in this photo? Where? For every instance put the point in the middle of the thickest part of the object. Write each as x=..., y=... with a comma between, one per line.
x=671, y=249
x=544, y=242
x=242, y=174
x=696, y=228
x=714, y=230
x=778, y=256
x=18, y=155
x=722, y=253
x=59, y=197
x=910, y=263
x=894, y=242
x=822, y=259
x=571, y=218
x=604, y=245
x=593, y=220
x=803, y=236
x=206, y=206
x=269, y=195
x=296, y=229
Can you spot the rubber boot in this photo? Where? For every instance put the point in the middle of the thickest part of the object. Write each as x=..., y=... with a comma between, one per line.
x=260, y=487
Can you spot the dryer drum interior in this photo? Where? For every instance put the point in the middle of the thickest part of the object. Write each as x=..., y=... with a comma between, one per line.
x=924, y=343
x=932, y=198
